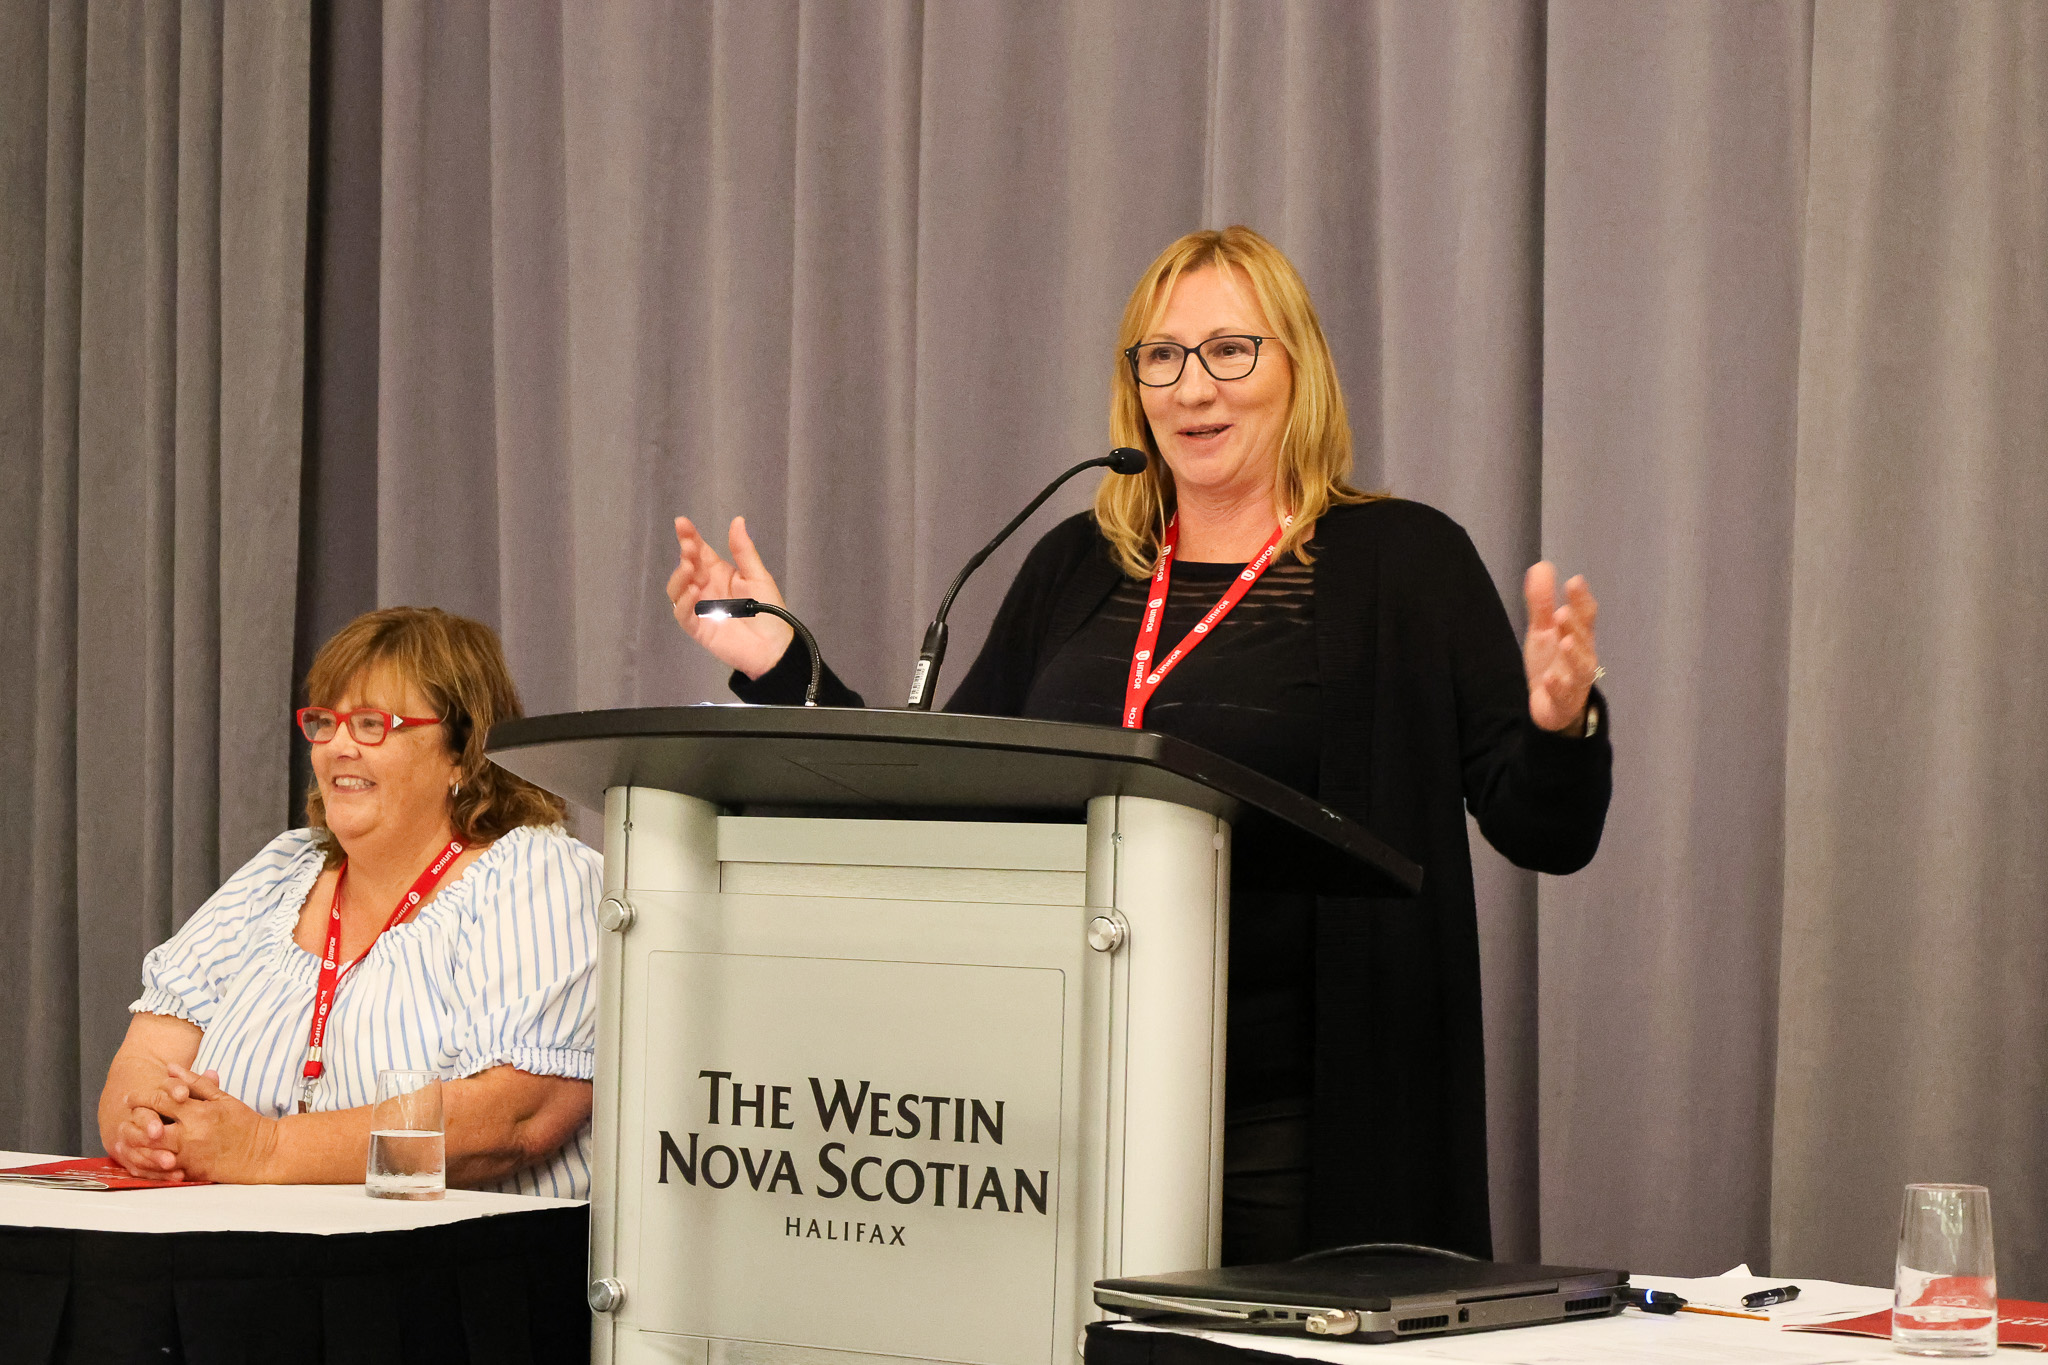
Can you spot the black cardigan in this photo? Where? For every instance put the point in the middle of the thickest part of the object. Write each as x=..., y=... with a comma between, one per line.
x=1425, y=713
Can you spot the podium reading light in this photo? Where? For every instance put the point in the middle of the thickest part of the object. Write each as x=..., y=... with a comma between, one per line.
x=1124, y=460
x=722, y=608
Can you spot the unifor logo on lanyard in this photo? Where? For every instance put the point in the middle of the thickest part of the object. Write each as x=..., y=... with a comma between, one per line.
x=1145, y=678
x=332, y=972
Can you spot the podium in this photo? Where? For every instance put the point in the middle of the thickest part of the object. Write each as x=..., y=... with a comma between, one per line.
x=911, y=1025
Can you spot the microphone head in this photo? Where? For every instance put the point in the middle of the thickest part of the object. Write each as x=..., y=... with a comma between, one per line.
x=723, y=608
x=1128, y=460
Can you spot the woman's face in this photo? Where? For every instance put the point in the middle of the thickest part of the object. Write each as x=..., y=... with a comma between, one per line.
x=1219, y=436
x=399, y=787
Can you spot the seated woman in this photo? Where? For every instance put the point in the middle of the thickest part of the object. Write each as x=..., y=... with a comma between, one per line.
x=484, y=971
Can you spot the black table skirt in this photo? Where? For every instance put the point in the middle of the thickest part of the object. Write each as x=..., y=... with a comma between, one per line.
x=1108, y=1344
x=508, y=1288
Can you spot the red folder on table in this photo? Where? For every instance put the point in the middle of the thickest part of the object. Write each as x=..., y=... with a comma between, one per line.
x=87, y=1173
x=2020, y=1323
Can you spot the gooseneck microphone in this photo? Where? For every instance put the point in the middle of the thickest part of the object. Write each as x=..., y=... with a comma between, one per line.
x=719, y=608
x=1124, y=460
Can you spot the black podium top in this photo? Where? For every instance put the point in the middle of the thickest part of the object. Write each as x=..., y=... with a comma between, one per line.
x=793, y=760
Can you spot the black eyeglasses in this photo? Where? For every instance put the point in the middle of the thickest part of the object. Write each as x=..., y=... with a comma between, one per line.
x=1158, y=364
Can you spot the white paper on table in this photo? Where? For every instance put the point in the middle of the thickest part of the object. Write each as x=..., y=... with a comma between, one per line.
x=1818, y=1301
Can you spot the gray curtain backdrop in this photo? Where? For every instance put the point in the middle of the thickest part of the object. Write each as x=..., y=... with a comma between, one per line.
x=1723, y=305
x=1913, y=1009
x=152, y=264
x=1738, y=308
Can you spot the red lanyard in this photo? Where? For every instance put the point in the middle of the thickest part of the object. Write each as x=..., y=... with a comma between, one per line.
x=1138, y=691
x=331, y=970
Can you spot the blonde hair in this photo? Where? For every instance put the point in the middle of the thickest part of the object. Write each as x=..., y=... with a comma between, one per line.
x=1315, y=447
x=459, y=668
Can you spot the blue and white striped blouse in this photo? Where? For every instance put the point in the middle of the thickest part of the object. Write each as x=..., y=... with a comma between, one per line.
x=498, y=969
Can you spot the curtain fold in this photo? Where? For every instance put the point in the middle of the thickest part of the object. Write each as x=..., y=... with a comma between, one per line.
x=155, y=433
x=1915, y=966
x=1675, y=140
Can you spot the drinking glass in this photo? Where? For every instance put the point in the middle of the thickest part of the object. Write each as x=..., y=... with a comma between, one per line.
x=1946, y=1302
x=408, y=1145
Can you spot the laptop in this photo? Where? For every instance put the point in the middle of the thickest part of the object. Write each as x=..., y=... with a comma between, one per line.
x=1368, y=1297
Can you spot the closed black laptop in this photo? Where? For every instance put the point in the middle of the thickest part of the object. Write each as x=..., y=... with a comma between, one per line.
x=1374, y=1298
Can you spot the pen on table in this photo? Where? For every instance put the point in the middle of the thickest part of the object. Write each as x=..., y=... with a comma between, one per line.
x=1764, y=1298
x=1752, y=1304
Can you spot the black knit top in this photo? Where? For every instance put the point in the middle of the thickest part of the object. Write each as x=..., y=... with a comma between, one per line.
x=1421, y=715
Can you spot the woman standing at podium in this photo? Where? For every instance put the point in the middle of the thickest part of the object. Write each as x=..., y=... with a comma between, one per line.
x=1349, y=645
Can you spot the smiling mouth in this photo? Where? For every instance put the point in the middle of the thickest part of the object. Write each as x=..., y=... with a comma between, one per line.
x=1204, y=433
x=352, y=784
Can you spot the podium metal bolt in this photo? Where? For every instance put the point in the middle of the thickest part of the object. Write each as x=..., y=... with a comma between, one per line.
x=1105, y=935
x=606, y=1295
x=617, y=917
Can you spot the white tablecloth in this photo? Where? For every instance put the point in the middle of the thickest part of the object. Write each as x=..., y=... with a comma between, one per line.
x=1631, y=1338
x=241, y=1208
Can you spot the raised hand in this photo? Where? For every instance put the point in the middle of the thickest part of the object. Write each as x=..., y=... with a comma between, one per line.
x=753, y=645
x=1558, y=655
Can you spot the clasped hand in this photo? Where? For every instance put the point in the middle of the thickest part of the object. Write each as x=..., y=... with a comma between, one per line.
x=187, y=1128
x=1558, y=654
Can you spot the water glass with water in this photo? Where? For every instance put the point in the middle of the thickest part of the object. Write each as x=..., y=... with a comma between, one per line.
x=408, y=1142
x=1946, y=1302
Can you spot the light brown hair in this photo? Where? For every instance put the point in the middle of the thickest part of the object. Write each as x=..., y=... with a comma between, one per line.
x=1315, y=448
x=458, y=666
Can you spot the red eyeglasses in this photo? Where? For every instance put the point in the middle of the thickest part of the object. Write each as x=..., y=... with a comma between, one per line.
x=369, y=725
